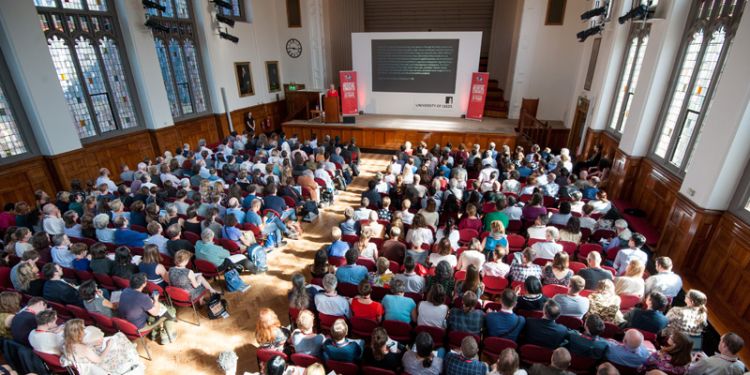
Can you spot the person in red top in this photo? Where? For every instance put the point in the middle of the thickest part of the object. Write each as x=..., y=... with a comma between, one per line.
x=364, y=307
x=8, y=216
x=471, y=220
x=332, y=91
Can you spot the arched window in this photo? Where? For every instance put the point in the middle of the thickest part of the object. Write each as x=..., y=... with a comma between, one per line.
x=708, y=36
x=85, y=44
x=179, y=59
x=629, y=72
x=15, y=139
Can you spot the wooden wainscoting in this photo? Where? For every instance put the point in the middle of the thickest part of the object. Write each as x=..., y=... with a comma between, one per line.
x=687, y=232
x=84, y=164
x=274, y=111
x=655, y=192
x=187, y=131
x=623, y=175
x=20, y=179
x=724, y=274
x=609, y=144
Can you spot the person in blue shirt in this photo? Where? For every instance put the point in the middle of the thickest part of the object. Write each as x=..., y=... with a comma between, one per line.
x=337, y=248
x=125, y=236
x=505, y=323
x=524, y=170
x=397, y=306
x=349, y=225
x=351, y=273
x=629, y=353
x=250, y=197
x=339, y=347
x=235, y=210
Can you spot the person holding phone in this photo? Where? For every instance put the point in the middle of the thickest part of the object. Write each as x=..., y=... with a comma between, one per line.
x=140, y=309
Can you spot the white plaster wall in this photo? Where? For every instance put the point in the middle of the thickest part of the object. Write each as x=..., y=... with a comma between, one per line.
x=504, y=23
x=547, y=60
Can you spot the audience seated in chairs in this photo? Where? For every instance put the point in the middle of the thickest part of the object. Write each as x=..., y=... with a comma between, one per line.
x=139, y=309
x=630, y=352
x=572, y=303
x=545, y=331
x=588, y=344
x=467, y=318
x=413, y=283
x=559, y=364
x=423, y=359
x=329, y=302
x=303, y=339
x=593, y=274
x=351, y=273
x=397, y=306
x=465, y=362
x=664, y=281
x=341, y=348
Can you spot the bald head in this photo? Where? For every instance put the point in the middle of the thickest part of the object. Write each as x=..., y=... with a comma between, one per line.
x=594, y=259
x=633, y=339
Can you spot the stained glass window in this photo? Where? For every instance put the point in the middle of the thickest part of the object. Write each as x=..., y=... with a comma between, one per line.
x=85, y=46
x=179, y=59
x=631, y=70
x=11, y=142
x=707, y=40
x=235, y=12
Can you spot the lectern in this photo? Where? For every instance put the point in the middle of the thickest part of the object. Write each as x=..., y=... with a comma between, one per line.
x=332, y=110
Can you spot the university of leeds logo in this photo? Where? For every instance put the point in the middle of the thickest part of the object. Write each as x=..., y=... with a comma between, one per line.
x=480, y=78
x=348, y=77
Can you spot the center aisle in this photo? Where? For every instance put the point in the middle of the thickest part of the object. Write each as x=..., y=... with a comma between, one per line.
x=197, y=347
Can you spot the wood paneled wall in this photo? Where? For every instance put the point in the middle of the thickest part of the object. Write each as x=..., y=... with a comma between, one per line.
x=21, y=179
x=609, y=144
x=392, y=139
x=623, y=175
x=52, y=173
x=655, y=192
x=686, y=232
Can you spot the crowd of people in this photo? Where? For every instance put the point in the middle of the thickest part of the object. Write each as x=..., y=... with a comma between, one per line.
x=421, y=273
x=227, y=205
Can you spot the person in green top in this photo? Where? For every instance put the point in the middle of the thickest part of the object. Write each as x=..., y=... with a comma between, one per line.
x=496, y=215
x=205, y=249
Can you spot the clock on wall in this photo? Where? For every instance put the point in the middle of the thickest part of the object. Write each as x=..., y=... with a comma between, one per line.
x=293, y=48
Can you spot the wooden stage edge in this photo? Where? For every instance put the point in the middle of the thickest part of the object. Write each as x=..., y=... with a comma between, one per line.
x=388, y=132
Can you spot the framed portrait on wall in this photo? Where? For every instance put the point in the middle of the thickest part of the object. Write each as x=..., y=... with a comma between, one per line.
x=272, y=72
x=555, y=13
x=592, y=64
x=244, y=78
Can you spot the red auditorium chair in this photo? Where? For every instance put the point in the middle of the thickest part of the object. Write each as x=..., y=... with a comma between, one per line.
x=586, y=248
x=120, y=282
x=569, y=247
x=494, y=285
x=181, y=297
x=516, y=242
x=336, y=261
x=81, y=313
x=342, y=368
x=493, y=346
x=362, y=328
x=263, y=355
x=531, y=354
x=104, y=323
x=53, y=362
x=398, y=330
x=628, y=301
x=438, y=334
x=551, y=290
x=304, y=360
x=466, y=235
x=326, y=321
x=570, y=322
x=372, y=370
x=133, y=333
x=576, y=266
x=348, y=290
x=455, y=338
x=581, y=365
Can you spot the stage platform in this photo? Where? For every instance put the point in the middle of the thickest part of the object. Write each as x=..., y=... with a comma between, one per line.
x=388, y=132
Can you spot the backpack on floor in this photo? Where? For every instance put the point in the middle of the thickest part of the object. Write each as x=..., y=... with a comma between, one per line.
x=217, y=306
x=257, y=255
x=309, y=211
x=234, y=282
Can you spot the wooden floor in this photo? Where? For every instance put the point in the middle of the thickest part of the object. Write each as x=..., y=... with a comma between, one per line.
x=196, y=348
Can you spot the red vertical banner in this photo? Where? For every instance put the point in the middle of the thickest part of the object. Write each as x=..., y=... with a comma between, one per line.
x=477, y=95
x=348, y=80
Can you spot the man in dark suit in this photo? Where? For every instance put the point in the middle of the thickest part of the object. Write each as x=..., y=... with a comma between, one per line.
x=589, y=344
x=650, y=319
x=372, y=194
x=544, y=331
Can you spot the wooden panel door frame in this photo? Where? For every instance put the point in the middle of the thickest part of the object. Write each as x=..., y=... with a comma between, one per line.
x=579, y=123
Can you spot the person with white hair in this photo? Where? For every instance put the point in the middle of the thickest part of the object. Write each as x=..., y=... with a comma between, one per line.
x=549, y=247
x=630, y=353
x=103, y=233
x=104, y=179
x=329, y=302
x=622, y=237
x=52, y=223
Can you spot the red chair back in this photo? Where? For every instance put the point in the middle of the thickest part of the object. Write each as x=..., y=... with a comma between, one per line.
x=138, y=228
x=348, y=290
x=494, y=284
x=263, y=355
x=532, y=241
x=514, y=226
x=362, y=328
x=105, y=281
x=466, y=235
x=52, y=361
x=569, y=247
x=455, y=338
x=336, y=261
x=530, y=313
x=570, y=322
x=488, y=207
x=5, y=278
x=460, y=276
x=80, y=313
x=369, y=263
x=611, y=270
x=397, y=330
x=378, y=292
x=586, y=248
x=120, y=282
x=342, y=368
x=371, y=370
x=190, y=236
x=206, y=268
x=611, y=331
x=267, y=210
x=535, y=354
x=576, y=266
x=289, y=201
x=304, y=360
x=127, y=328
x=230, y=245
x=84, y=275
x=349, y=238
x=581, y=365
x=551, y=290
x=179, y=296
x=104, y=322
x=151, y=287
x=416, y=297
x=438, y=334
x=494, y=345
x=62, y=311
x=326, y=321
x=516, y=242
x=602, y=233
x=628, y=301
x=68, y=273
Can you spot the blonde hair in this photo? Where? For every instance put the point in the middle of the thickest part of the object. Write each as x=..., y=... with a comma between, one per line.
x=74, y=332
x=339, y=330
x=305, y=320
x=268, y=323
x=315, y=369
x=497, y=226
x=182, y=256
x=635, y=268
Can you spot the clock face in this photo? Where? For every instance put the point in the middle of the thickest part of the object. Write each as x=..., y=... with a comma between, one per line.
x=294, y=48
